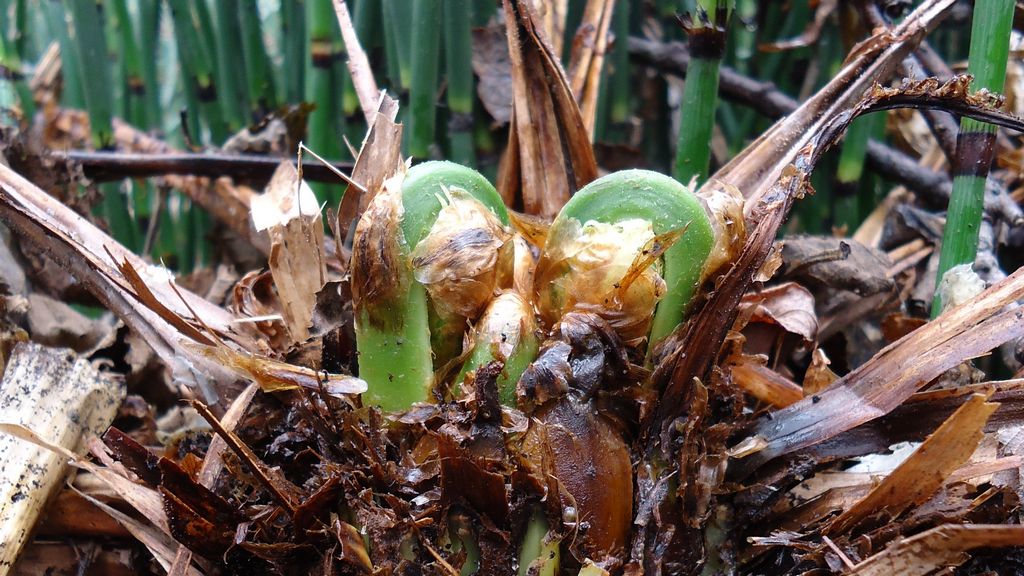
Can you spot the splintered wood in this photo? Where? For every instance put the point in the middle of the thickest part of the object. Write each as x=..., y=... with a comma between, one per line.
x=64, y=399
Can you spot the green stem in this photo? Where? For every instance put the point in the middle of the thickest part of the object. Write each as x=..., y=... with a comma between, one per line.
x=294, y=38
x=393, y=333
x=398, y=18
x=131, y=60
x=149, y=40
x=230, y=76
x=258, y=72
x=198, y=68
x=990, y=38
x=458, y=51
x=91, y=46
x=700, y=93
x=537, y=548
x=426, y=37
x=324, y=122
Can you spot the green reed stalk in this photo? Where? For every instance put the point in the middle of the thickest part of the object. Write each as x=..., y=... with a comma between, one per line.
x=325, y=47
x=91, y=46
x=231, y=78
x=10, y=60
x=198, y=66
x=149, y=44
x=131, y=60
x=262, y=89
x=850, y=173
x=426, y=37
x=458, y=51
x=398, y=17
x=293, y=40
x=620, y=88
x=700, y=94
x=975, y=146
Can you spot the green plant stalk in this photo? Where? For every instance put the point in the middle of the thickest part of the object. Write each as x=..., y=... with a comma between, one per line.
x=20, y=33
x=72, y=95
x=198, y=67
x=294, y=40
x=395, y=356
x=426, y=37
x=131, y=61
x=90, y=43
x=851, y=170
x=262, y=90
x=149, y=40
x=324, y=122
x=203, y=19
x=507, y=321
x=458, y=52
x=975, y=147
x=620, y=88
x=399, y=17
x=10, y=60
x=669, y=206
x=536, y=547
x=230, y=76
x=700, y=93
x=391, y=59
x=91, y=46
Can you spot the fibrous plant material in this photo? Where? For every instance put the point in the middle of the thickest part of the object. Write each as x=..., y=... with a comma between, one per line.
x=63, y=398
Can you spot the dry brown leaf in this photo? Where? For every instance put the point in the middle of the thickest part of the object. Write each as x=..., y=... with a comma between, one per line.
x=892, y=375
x=788, y=305
x=938, y=548
x=288, y=211
x=380, y=158
x=587, y=58
x=549, y=155
x=161, y=545
x=818, y=376
x=926, y=470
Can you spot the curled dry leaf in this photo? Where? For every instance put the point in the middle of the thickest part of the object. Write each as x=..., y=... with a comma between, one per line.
x=549, y=155
x=788, y=305
x=288, y=211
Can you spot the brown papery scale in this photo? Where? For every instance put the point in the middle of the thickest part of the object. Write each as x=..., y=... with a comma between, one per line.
x=465, y=258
